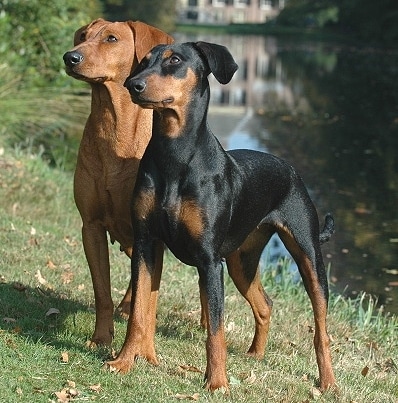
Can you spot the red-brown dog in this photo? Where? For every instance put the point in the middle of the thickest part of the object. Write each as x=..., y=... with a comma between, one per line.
x=114, y=140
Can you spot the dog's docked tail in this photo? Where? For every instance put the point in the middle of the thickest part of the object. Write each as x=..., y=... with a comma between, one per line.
x=328, y=229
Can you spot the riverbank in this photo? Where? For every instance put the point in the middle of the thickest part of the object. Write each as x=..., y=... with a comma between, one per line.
x=46, y=307
x=265, y=29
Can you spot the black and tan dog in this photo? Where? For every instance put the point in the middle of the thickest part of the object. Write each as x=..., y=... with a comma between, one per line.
x=207, y=204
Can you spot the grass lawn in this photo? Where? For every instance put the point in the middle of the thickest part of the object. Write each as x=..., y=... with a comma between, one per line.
x=47, y=315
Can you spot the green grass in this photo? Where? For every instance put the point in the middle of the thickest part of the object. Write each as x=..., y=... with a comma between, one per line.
x=42, y=268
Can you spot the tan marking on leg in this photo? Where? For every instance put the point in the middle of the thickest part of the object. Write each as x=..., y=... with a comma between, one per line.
x=319, y=307
x=139, y=340
x=216, y=354
x=259, y=301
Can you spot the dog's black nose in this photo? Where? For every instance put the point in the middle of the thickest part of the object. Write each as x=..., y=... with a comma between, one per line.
x=137, y=84
x=73, y=58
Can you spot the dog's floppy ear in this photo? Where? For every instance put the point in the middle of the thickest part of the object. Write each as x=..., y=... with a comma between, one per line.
x=77, y=40
x=146, y=37
x=220, y=61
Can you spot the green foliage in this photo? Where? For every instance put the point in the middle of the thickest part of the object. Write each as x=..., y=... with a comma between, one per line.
x=372, y=21
x=36, y=33
x=37, y=111
x=160, y=13
x=304, y=13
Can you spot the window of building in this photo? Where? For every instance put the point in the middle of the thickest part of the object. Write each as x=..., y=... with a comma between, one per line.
x=265, y=4
x=240, y=3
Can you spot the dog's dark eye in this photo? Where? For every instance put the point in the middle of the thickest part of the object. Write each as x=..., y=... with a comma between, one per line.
x=174, y=59
x=111, y=38
x=82, y=37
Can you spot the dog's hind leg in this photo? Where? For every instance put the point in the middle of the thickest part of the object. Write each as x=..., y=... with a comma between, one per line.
x=301, y=238
x=243, y=268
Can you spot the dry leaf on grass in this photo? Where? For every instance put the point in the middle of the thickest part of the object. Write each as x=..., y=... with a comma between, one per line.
x=65, y=357
x=96, y=388
x=190, y=368
x=40, y=278
x=315, y=393
x=50, y=264
x=71, y=241
x=365, y=371
x=63, y=396
x=250, y=378
x=180, y=396
x=67, y=277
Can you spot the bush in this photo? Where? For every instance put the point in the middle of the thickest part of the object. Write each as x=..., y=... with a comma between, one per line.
x=36, y=33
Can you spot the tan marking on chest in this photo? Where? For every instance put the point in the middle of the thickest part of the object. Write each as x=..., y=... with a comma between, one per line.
x=144, y=204
x=191, y=215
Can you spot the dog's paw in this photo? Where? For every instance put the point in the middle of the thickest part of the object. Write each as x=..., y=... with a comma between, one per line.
x=118, y=365
x=123, y=310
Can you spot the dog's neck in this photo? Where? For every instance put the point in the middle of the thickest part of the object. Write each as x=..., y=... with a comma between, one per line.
x=114, y=119
x=180, y=132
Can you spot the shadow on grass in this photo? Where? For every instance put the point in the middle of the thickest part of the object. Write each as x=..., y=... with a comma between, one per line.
x=47, y=317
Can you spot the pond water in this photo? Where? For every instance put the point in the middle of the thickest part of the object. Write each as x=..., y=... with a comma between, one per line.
x=332, y=112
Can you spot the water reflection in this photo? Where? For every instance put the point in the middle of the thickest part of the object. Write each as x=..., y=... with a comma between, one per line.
x=332, y=111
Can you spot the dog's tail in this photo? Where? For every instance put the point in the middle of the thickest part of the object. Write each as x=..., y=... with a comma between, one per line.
x=328, y=229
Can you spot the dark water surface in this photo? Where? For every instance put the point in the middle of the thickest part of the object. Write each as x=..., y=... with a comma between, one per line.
x=332, y=112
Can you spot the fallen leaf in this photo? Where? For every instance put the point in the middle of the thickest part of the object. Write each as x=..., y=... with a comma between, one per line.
x=252, y=378
x=50, y=264
x=63, y=396
x=365, y=371
x=315, y=393
x=71, y=384
x=73, y=392
x=52, y=311
x=40, y=278
x=373, y=345
x=33, y=242
x=65, y=357
x=70, y=241
x=67, y=277
x=180, y=396
x=190, y=368
x=96, y=388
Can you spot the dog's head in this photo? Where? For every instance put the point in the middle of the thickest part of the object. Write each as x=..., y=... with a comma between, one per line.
x=108, y=51
x=171, y=74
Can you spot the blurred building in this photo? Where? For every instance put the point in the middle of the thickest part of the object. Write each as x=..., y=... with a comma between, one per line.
x=227, y=11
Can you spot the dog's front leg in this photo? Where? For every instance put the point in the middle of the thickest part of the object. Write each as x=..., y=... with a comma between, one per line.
x=97, y=253
x=145, y=280
x=212, y=284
